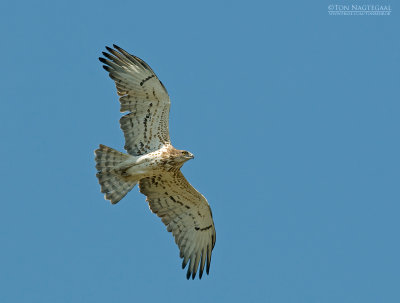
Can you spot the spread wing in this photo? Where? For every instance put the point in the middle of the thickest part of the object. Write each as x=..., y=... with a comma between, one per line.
x=144, y=96
x=186, y=214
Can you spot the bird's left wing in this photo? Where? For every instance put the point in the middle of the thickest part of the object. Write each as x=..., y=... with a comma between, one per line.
x=186, y=214
x=144, y=96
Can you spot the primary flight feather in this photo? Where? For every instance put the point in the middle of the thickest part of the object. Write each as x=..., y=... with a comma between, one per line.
x=153, y=162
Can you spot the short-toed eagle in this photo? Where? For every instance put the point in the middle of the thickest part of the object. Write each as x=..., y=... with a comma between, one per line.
x=153, y=162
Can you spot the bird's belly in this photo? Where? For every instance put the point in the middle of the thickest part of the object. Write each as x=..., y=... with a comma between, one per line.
x=142, y=170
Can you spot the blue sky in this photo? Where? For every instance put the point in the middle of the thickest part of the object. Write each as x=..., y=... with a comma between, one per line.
x=293, y=116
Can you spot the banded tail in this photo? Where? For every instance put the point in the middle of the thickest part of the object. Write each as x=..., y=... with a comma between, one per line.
x=113, y=184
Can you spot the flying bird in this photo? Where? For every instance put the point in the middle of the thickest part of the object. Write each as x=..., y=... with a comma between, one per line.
x=152, y=162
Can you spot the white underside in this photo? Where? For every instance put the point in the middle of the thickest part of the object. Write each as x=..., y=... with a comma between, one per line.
x=139, y=167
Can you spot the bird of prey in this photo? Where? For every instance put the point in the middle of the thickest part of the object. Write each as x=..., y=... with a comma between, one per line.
x=153, y=162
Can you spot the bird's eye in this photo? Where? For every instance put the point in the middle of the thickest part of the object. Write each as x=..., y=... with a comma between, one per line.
x=185, y=153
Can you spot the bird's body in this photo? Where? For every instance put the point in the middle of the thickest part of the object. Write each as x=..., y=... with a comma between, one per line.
x=165, y=159
x=153, y=162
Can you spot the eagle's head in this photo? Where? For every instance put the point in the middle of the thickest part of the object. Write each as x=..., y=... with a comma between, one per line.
x=178, y=157
x=185, y=155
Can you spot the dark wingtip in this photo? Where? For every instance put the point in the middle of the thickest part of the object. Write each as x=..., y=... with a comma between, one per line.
x=184, y=263
x=188, y=274
x=109, y=49
x=194, y=272
x=107, y=68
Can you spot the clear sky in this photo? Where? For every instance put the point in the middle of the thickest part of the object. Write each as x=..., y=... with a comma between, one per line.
x=293, y=116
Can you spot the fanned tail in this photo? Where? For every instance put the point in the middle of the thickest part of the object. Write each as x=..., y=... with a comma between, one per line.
x=113, y=184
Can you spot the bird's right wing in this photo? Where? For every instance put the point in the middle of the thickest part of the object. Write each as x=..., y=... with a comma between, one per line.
x=144, y=96
x=186, y=214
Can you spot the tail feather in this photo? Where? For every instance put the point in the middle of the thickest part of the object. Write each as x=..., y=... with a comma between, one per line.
x=113, y=184
x=107, y=157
